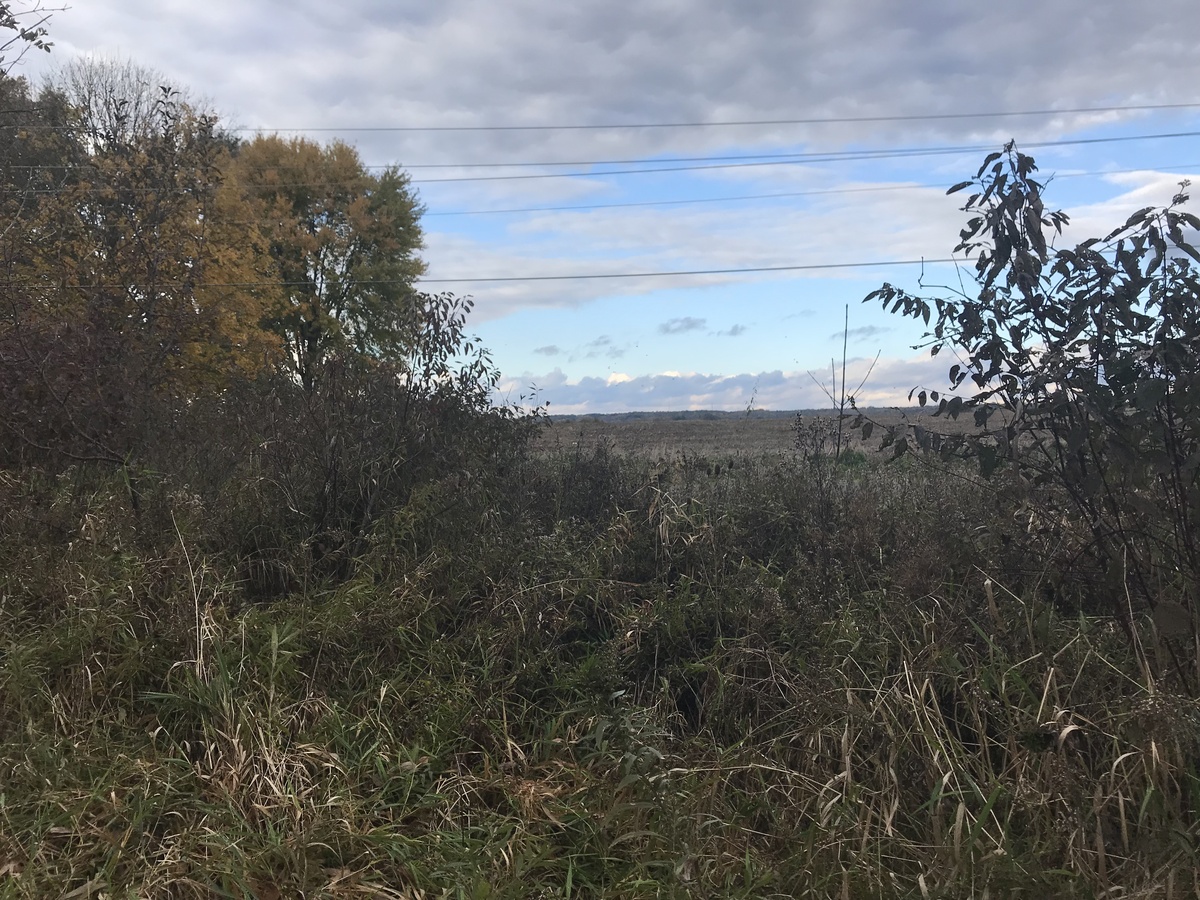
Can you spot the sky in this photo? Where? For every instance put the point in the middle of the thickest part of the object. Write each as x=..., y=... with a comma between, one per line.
x=520, y=122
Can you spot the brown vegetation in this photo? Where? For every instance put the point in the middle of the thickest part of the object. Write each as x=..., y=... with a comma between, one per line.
x=331, y=624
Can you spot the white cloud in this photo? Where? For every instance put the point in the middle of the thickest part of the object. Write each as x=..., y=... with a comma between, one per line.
x=886, y=383
x=866, y=228
x=1141, y=189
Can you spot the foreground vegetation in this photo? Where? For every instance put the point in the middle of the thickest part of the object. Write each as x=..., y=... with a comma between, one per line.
x=599, y=677
x=288, y=607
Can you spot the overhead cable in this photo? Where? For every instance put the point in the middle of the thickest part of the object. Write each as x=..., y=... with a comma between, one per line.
x=875, y=189
x=582, y=276
x=816, y=120
x=848, y=156
x=791, y=159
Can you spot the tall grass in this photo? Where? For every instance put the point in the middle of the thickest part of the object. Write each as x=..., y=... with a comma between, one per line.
x=594, y=676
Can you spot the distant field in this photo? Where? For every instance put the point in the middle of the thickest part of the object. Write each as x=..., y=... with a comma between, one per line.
x=715, y=434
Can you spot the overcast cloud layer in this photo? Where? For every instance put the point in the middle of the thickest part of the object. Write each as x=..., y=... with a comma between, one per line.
x=335, y=69
x=537, y=62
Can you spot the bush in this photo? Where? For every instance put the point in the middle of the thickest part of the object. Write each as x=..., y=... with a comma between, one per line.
x=1082, y=372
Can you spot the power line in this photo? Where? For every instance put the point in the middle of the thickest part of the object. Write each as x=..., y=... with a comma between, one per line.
x=759, y=161
x=652, y=160
x=790, y=159
x=691, y=201
x=594, y=276
x=640, y=161
x=774, y=196
x=795, y=156
x=525, y=164
x=734, y=271
x=583, y=276
x=826, y=120
x=846, y=156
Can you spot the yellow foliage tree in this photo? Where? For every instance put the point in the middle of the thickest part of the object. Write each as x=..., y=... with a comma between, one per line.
x=344, y=245
x=137, y=281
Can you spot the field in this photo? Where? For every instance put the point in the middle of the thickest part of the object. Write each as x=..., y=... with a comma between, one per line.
x=643, y=658
x=714, y=435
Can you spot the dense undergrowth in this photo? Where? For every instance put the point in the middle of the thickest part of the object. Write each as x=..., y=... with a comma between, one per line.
x=580, y=675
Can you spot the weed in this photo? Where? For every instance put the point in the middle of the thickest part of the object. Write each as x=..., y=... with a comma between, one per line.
x=789, y=679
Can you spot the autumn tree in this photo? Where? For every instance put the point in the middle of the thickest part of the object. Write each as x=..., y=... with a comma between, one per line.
x=135, y=282
x=344, y=243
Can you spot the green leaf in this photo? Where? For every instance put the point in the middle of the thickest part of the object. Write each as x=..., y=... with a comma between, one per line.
x=991, y=158
x=958, y=187
x=1138, y=217
x=1190, y=250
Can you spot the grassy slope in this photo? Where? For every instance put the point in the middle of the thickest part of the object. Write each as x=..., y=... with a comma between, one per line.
x=617, y=680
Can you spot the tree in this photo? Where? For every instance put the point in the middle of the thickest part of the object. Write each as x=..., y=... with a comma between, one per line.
x=134, y=282
x=118, y=101
x=1090, y=359
x=344, y=244
x=36, y=148
x=29, y=27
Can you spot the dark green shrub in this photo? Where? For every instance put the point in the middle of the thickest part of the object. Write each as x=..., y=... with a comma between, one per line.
x=1081, y=368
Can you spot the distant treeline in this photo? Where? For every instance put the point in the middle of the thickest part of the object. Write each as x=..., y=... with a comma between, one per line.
x=704, y=415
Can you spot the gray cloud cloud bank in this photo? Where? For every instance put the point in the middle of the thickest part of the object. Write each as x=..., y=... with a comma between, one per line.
x=604, y=346
x=474, y=62
x=864, y=333
x=682, y=325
